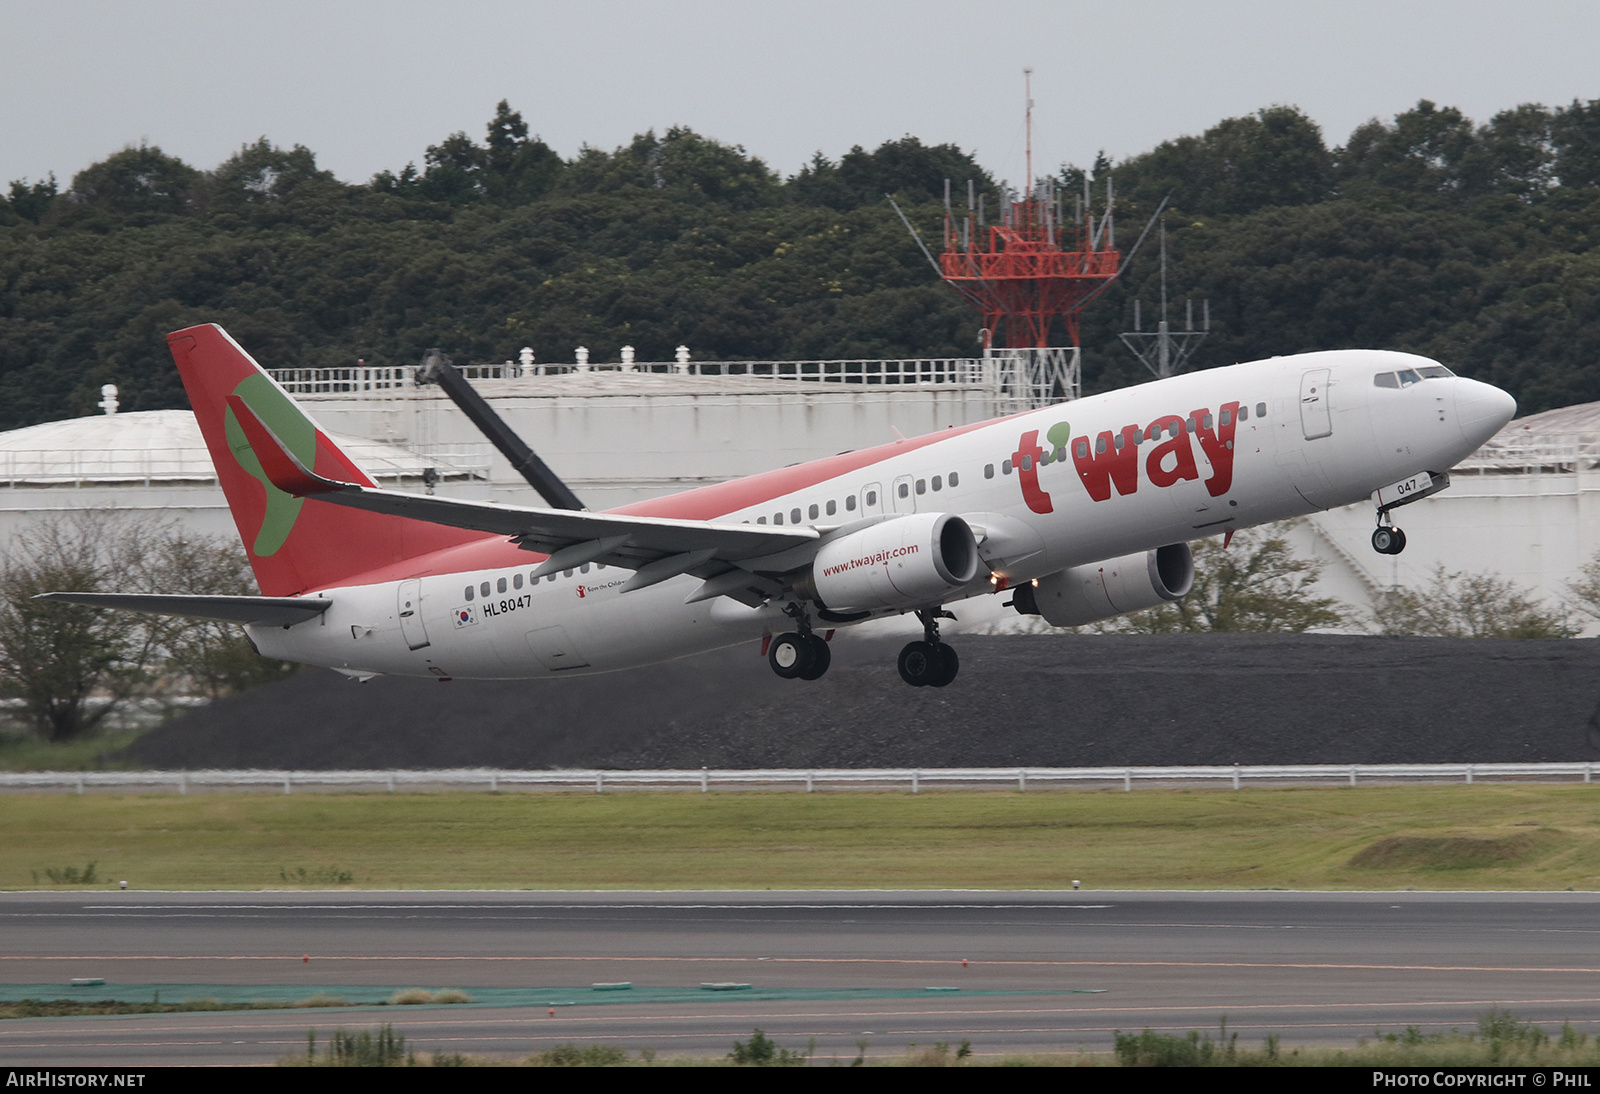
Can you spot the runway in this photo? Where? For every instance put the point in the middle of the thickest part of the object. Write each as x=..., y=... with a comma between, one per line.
x=1011, y=972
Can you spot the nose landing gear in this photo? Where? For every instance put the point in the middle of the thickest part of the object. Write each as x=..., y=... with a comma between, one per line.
x=1388, y=541
x=1386, y=538
x=929, y=663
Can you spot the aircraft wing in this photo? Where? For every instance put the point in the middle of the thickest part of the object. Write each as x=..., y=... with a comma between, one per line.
x=655, y=548
x=268, y=611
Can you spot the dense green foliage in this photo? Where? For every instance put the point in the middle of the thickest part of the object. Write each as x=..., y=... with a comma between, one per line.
x=1471, y=243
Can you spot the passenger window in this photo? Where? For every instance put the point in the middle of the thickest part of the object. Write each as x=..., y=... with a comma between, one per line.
x=988, y=470
x=1005, y=466
x=566, y=573
x=1100, y=445
x=484, y=588
x=777, y=518
x=794, y=516
x=500, y=586
x=469, y=592
x=1206, y=421
x=1261, y=410
x=850, y=502
x=1227, y=417
x=833, y=507
x=954, y=480
x=602, y=565
x=1120, y=441
x=814, y=512
x=872, y=497
x=1244, y=414
x=1386, y=379
x=1188, y=425
x=584, y=568
x=516, y=581
x=1083, y=449
x=938, y=484
x=905, y=490
x=761, y=520
x=922, y=486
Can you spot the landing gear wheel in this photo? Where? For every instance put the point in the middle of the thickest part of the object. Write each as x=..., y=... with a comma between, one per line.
x=919, y=664
x=791, y=655
x=1388, y=541
x=949, y=664
x=821, y=657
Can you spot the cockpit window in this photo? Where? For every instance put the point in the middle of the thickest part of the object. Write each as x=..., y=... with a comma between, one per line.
x=1433, y=372
x=1385, y=379
x=1409, y=377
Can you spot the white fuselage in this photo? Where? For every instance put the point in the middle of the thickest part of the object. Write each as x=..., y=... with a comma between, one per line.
x=1315, y=432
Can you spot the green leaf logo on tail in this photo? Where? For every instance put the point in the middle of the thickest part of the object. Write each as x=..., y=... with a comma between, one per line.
x=292, y=427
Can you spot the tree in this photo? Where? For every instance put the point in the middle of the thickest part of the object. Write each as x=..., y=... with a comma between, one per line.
x=136, y=180
x=1254, y=584
x=31, y=202
x=55, y=658
x=71, y=666
x=1463, y=605
x=1273, y=157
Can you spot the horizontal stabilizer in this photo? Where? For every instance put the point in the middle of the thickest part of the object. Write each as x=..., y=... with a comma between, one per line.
x=267, y=611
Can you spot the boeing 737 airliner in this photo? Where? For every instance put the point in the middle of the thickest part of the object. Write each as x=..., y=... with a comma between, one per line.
x=1077, y=512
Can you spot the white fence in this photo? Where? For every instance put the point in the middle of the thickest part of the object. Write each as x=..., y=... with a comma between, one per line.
x=913, y=779
x=79, y=467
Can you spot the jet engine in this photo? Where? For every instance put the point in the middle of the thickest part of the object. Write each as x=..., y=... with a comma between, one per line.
x=1100, y=590
x=904, y=562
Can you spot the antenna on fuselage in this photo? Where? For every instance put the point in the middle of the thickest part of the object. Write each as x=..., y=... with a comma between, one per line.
x=438, y=369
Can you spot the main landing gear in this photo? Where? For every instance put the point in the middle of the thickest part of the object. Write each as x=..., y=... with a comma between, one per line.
x=929, y=663
x=801, y=655
x=1386, y=538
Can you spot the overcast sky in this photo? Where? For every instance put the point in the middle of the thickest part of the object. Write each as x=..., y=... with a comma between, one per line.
x=369, y=85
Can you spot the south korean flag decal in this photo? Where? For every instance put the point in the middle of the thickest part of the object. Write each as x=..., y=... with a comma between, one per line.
x=466, y=616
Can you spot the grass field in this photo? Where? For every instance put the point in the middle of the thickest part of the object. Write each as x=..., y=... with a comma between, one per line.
x=1427, y=837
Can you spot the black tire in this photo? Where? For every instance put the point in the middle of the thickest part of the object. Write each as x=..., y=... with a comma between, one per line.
x=1399, y=542
x=949, y=666
x=789, y=655
x=919, y=664
x=821, y=658
x=1383, y=541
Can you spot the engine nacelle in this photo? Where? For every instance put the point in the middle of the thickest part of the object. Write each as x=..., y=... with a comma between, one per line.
x=904, y=562
x=1100, y=590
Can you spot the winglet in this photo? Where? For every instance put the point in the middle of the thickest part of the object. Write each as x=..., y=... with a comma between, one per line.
x=280, y=465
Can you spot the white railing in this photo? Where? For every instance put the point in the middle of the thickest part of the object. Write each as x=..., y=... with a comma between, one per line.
x=1532, y=453
x=24, y=467
x=811, y=779
x=924, y=370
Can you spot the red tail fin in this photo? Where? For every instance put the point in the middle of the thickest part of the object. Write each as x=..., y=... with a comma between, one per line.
x=295, y=544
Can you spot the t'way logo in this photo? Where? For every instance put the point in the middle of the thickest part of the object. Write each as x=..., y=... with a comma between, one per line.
x=1112, y=459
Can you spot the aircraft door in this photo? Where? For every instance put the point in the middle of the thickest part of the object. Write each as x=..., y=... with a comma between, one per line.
x=902, y=496
x=871, y=500
x=409, y=606
x=1315, y=418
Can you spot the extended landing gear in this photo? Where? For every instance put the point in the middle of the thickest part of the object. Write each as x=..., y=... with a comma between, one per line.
x=929, y=663
x=1386, y=538
x=801, y=655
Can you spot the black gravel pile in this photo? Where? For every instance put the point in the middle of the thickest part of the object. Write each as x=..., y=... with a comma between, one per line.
x=1069, y=700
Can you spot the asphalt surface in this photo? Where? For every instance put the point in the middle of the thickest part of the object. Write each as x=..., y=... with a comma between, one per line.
x=1047, y=700
x=1040, y=971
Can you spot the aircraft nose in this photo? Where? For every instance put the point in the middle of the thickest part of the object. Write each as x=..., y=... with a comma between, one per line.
x=1482, y=410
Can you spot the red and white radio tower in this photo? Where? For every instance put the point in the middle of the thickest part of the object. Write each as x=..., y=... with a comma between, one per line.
x=1034, y=265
